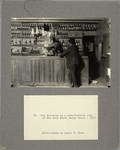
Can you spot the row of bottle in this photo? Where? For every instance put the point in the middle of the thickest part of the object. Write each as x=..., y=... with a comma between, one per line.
x=16, y=24
x=66, y=41
x=74, y=26
x=16, y=42
x=21, y=34
x=59, y=26
x=16, y=34
x=81, y=53
x=36, y=24
x=70, y=26
x=62, y=33
x=77, y=26
x=78, y=42
x=89, y=27
x=67, y=26
x=22, y=42
x=31, y=25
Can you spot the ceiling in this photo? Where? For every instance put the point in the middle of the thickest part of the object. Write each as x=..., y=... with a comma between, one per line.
x=93, y=20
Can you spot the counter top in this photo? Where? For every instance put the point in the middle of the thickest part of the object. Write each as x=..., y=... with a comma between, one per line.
x=41, y=56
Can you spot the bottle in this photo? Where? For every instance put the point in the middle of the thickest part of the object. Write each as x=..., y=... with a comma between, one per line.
x=63, y=42
x=60, y=26
x=74, y=26
x=69, y=26
x=86, y=26
x=80, y=26
x=12, y=42
x=63, y=26
x=16, y=42
x=83, y=26
x=62, y=34
x=66, y=34
x=91, y=26
x=66, y=27
x=49, y=26
x=26, y=42
x=20, y=42
x=95, y=26
x=29, y=42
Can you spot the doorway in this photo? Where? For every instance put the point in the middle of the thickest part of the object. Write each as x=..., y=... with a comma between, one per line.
x=90, y=51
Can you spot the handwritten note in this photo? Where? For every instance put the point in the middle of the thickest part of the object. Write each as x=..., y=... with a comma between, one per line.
x=65, y=117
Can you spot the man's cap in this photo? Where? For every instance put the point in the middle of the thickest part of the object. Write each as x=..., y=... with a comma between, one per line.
x=72, y=40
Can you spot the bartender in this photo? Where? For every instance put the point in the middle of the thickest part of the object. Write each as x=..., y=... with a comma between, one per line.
x=58, y=46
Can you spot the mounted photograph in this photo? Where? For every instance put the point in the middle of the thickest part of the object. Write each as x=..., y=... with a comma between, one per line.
x=61, y=52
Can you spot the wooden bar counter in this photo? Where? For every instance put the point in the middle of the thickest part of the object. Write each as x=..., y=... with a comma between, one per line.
x=38, y=70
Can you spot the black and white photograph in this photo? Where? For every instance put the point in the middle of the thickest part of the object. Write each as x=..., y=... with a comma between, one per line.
x=71, y=53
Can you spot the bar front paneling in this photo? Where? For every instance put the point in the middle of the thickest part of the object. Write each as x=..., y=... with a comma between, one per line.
x=43, y=71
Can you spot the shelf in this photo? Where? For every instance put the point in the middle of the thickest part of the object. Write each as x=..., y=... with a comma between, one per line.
x=89, y=30
x=55, y=29
x=68, y=30
x=21, y=29
x=23, y=45
x=68, y=45
x=65, y=45
x=28, y=45
x=69, y=37
x=22, y=37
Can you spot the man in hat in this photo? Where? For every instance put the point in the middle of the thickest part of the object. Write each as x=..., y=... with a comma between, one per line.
x=72, y=54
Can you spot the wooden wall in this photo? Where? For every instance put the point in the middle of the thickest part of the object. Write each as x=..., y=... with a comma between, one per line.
x=102, y=28
x=103, y=36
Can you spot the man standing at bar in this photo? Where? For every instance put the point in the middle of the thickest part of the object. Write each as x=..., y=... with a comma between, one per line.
x=72, y=54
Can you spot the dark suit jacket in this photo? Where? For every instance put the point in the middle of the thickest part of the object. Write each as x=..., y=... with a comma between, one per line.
x=72, y=55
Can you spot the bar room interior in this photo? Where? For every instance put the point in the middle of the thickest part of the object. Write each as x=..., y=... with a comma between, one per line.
x=36, y=45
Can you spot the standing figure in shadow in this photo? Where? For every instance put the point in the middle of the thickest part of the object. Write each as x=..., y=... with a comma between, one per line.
x=80, y=68
x=72, y=54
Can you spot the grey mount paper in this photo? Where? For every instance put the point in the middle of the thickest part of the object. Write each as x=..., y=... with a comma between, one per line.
x=12, y=99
